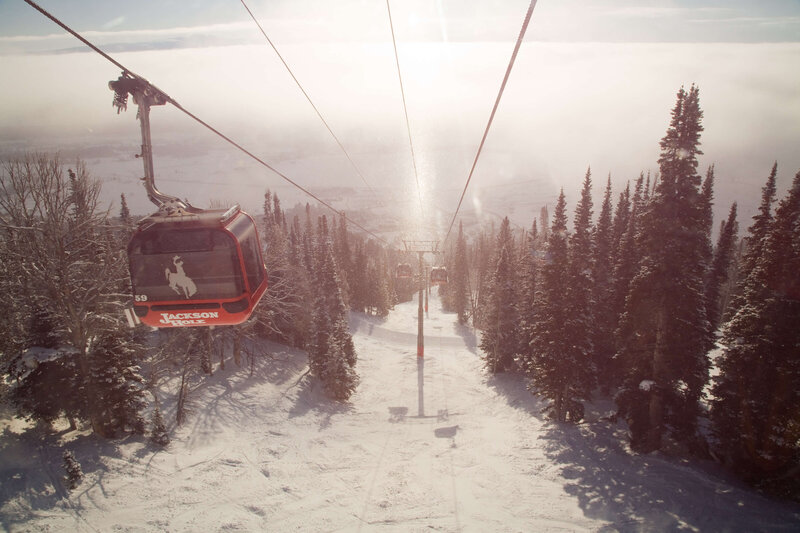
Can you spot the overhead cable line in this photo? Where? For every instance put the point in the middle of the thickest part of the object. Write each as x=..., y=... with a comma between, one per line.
x=200, y=121
x=319, y=114
x=494, y=110
x=405, y=108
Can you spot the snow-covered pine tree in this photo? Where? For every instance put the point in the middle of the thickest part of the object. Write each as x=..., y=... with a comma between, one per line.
x=665, y=335
x=755, y=407
x=753, y=242
x=338, y=376
x=378, y=297
x=552, y=368
x=458, y=282
x=483, y=254
x=707, y=205
x=544, y=222
x=579, y=324
x=49, y=389
x=363, y=285
x=119, y=383
x=499, y=338
x=274, y=313
x=158, y=429
x=331, y=352
x=620, y=224
x=384, y=301
x=526, y=302
x=605, y=320
x=301, y=281
x=72, y=468
x=38, y=372
x=757, y=232
x=724, y=255
x=309, y=243
x=627, y=253
x=344, y=260
x=124, y=212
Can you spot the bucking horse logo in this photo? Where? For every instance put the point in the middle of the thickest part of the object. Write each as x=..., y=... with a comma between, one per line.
x=178, y=280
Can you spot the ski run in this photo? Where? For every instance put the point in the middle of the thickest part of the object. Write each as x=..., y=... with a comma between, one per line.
x=425, y=444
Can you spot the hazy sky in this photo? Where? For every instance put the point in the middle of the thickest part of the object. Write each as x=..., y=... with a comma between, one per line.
x=593, y=84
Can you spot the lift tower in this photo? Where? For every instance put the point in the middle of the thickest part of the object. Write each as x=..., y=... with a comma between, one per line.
x=421, y=248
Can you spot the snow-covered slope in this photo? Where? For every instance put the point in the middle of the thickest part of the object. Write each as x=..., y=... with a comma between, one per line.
x=425, y=444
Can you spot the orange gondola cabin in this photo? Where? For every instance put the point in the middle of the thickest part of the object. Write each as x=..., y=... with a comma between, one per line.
x=188, y=266
x=439, y=275
x=198, y=269
x=404, y=271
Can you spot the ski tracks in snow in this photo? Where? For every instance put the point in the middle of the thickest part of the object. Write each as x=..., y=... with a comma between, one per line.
x=431, y=443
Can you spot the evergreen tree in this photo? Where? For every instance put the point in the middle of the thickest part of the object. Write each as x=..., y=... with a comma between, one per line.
x=484, y=255
x=114, y=369
x=499, y=340
x=385, y=297
x=707, y=199
x=628, y=251
x=664, y=332
x=553, y=366
x=158, y=432
x=74, y=473
x=332, y=356
x=605, y=320
x=529, y=266
x=544, y=221
x=301, y=281
x=45, y=388
x=756, y=408
x=376, y=288
x=706, y=206
x=720, y=267
x=458, y=284
x=756, y=234
x=277, y=316
x=580, y=325
x=620, y=224
x=344, y=261
x=361, y=290
x=309, y=255
x=124, y=212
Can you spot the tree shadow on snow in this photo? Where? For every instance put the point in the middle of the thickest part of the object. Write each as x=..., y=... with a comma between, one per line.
x=468, y=334
x=312, y=398
x=32, y=472
x=277, y=363
x=644, y=492
x=226, y=394
x=513, y=387
x=654, y=492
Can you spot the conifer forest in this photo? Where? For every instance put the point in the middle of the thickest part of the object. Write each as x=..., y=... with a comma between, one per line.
x=691, y=330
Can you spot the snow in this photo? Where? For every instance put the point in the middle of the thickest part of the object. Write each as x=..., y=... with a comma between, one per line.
x=646, y=385
x=425, y=444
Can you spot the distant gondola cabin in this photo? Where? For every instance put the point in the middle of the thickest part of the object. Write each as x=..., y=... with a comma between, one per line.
x=439, y=275
x=404, y=270
x=203, y=269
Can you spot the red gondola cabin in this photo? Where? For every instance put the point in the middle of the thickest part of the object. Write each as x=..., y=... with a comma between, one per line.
x=404, y=271
x=201, y=269
x=439, y=275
